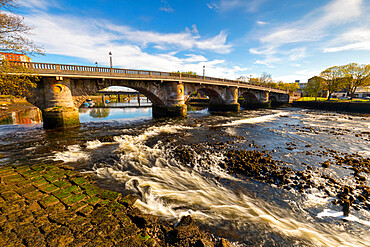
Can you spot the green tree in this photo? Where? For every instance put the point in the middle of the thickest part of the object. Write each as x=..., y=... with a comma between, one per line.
x=15, y=79
x=333, y=79
x=355, y=76
x=288, y=86
x=314, y=86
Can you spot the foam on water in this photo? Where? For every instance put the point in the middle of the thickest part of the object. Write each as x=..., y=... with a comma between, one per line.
x=260, y=119
x=73, y=154
x=93, y=144
x=336, y=214
x=315, y=197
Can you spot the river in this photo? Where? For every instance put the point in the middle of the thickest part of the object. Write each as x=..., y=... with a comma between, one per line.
x=180, y=167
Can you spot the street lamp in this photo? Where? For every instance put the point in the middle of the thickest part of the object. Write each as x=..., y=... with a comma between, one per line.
x=110, y=59
x=96, y=64
x=204, y=70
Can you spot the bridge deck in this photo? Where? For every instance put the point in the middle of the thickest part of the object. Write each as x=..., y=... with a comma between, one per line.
x=77, y=71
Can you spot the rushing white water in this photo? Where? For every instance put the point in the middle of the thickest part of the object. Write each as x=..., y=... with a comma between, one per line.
x=73, y=154
x=336, y=214
x=171, y=190
x=253, y=120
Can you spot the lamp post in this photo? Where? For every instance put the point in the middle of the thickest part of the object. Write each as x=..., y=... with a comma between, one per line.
x=110, y=60
x=96, y=64
x=204, y=71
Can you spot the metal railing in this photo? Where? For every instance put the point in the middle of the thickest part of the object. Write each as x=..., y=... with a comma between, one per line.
x=65, y=70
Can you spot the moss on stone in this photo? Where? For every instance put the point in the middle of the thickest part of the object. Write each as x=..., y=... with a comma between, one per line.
x=80, y=181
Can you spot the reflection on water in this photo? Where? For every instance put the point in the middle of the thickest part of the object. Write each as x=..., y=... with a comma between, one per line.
x=30, y=116
x=99, y=114
x=131, y=102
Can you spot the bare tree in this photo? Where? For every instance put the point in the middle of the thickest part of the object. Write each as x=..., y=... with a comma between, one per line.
x=265, y=78
x=15, y=79
x=13, y=30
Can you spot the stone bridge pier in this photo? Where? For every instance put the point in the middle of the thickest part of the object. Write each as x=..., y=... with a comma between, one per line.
x=54, y=98
x=173, y=101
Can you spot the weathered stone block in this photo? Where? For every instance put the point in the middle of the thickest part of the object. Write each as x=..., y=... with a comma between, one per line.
x=48, y=201
x=72, y=200
x=93, y=200
x=109, y=195
x=11, y=196
x=62, y=184
x=80, y=181
x=61, y=117
x=48, y=188
x=34, y=195
x=90, y=189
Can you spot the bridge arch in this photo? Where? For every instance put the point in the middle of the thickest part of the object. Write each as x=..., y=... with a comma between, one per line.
x=249, y=97
x=81, y=89
x=273, y=100
x=214, y=96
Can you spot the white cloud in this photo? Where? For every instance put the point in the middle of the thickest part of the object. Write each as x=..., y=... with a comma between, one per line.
x=286, y=40
x=103, y=32
x=261, y=23
x=316, y=24
x=213, y=6
x=266, y=62
x=93, y=39
x=166, y=7
x=238, y=68
x=297, y=54
x=195, y=58
x=357, y=39
x=217, y=43
x=228, y=5
x=38, y=4
x=302, y=75
x=193, y=29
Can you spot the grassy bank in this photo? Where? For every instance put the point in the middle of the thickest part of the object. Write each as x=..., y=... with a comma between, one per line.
x=342, y=106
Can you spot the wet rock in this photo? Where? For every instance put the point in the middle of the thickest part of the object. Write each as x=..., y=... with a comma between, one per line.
x=106, y=139
x=186, y=233
x=224, y=243
x=326, y=164
x=346, y=207
x=361, y=198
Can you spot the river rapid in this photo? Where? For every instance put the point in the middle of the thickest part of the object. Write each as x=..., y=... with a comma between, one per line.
x=191, y=167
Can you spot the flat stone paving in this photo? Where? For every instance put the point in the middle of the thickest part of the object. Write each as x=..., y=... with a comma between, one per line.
x=52, y=205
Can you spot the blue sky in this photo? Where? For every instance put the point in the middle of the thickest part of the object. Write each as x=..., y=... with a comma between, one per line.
x=289, y=39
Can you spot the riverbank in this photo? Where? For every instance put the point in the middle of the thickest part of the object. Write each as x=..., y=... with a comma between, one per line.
x=349, y=106
x=19, y=112
x=51, y=204
x=7, y=107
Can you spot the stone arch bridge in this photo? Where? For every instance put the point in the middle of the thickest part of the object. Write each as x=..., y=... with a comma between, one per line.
x=62, y=88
